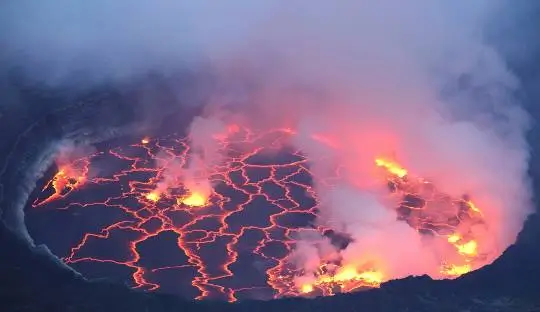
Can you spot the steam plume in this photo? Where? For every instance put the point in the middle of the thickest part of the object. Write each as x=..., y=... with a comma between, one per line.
x=204, y=156
x=416, y=83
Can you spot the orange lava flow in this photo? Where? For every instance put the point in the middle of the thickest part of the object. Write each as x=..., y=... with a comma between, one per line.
x=344, y=279
x=251, y=175
x=419, y=193
x=66, y=180
x=194, y=199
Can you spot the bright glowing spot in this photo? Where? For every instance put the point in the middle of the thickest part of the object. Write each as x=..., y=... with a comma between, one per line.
x=468, y=249
x=474, y=207
x=153, y=196
x=195, y=199
x=347, y=278
x=346, y=274
x=307, y=288
x=392, y=167
x=456, y=270
x=145, y=141
x=454, y=238
x=371, y=277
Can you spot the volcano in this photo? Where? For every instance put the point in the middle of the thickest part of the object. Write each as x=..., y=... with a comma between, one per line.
x=361, y=196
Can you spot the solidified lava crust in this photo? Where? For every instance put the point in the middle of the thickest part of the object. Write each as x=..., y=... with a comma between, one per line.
x=232, y=245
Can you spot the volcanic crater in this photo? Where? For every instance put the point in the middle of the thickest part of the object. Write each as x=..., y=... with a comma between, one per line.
x=234, y=242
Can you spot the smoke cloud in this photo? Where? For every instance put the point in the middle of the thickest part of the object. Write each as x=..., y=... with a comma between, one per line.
x=62, y=41
x=204, y=154
x=416, y=82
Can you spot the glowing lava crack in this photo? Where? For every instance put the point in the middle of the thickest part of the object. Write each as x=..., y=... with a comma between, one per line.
x=245, y=181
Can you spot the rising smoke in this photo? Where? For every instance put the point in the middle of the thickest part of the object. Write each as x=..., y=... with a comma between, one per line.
x=418, y=83
x=414, y=81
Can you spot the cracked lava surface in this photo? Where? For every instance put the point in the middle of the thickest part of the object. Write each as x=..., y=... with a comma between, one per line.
x=101, y=213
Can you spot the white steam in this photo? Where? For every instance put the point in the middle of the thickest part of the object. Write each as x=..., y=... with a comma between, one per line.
x=416, y=82
x=203, y=156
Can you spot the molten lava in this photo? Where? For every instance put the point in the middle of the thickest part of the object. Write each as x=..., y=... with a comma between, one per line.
x=392, y=167
x=466, y=211
x=68, y=178
x=195, y=199
x=347, y=279
x=152, y=196
x=241, y=184
x=419, y=215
